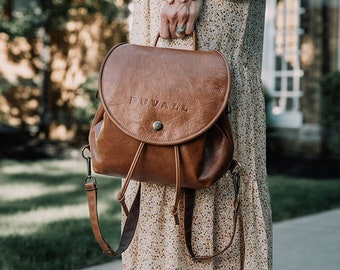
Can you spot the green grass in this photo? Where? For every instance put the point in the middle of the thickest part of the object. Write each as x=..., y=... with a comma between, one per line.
x=44, y=220
x=294, y=197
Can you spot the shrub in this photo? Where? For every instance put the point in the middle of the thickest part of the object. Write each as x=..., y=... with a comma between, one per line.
x=330, y=113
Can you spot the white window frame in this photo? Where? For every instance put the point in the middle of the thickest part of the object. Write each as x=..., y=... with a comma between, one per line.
x=281, y=114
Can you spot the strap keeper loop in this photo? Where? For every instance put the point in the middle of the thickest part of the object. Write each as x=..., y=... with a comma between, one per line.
x=109, y=253
x=120, y=197
x=90, y=186
x=174, y=212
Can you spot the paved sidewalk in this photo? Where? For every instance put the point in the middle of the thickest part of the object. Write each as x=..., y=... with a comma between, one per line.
x=310, y=242
x=115, y=265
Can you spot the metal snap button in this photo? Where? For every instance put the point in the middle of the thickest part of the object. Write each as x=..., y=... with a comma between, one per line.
x=157, y=125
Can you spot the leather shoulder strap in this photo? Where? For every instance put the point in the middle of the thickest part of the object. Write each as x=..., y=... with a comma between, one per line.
x=188, y=214
x=189, y=210
x=129, y=227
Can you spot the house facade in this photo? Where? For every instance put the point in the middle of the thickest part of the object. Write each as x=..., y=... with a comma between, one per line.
x=301, y=45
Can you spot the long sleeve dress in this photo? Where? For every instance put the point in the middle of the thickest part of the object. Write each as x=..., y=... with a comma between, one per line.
x=235, y=28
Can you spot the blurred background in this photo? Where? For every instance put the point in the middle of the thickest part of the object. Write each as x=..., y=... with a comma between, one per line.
x=50, y=54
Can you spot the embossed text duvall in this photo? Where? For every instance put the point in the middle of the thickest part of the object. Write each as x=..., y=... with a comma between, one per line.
x=159, y=104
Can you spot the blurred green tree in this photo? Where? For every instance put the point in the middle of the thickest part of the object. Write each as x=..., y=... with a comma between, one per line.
x=54, y=29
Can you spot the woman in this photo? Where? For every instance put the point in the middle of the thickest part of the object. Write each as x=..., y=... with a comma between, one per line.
x=234, y=27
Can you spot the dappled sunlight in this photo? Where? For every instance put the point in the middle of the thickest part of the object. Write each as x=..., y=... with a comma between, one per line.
x=61, y=132
x=48, y=167
x=12, y=192
x=33, y=198
x=56, y=67
x=30, y=222
x=308, y=52
x=10, y=69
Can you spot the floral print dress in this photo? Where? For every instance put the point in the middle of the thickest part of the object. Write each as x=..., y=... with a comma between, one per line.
x=235, y=28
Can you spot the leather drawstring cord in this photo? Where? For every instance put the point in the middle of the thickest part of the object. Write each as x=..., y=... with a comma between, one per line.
x=121, y=194
x=174, y=209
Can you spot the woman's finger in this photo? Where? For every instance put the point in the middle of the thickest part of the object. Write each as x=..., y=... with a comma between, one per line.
x=164, y=31
x=174, y=17
x=190, y=27
x=182, y=17
x=194, y=10
x=168, y=21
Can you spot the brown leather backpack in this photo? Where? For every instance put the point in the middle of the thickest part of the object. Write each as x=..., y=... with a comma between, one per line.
x=162, y=120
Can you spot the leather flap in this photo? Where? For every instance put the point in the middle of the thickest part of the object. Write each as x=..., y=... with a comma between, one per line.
x=163, y=96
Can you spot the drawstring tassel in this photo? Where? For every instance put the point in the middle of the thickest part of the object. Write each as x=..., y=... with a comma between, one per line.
x=174, y=209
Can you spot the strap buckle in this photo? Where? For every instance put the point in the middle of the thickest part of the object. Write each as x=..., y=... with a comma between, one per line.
x=85, y=152
x=235, y=173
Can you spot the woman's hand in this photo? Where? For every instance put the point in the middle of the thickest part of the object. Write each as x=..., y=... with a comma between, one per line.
x=178, y=18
